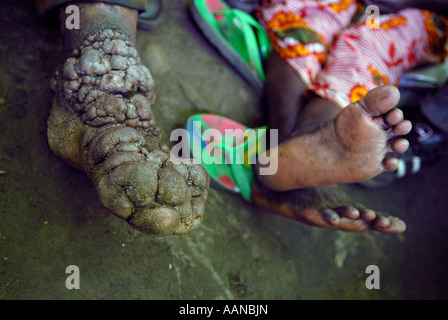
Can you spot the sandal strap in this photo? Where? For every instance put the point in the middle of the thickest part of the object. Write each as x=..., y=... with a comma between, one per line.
x=257, y=44
x=241, y=174
x=262, y=36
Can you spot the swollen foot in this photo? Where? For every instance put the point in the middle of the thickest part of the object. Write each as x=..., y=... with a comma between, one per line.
x=102, y=123
x=350, y=148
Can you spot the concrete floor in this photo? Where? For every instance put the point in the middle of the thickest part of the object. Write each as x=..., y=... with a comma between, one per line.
x=50, y=216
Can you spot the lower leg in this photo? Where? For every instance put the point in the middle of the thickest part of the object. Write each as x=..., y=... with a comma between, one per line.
x=285, y=95
x=98, y=16
x=329, y=145
x=350, y=145
x=315, y=114
x=102, y=123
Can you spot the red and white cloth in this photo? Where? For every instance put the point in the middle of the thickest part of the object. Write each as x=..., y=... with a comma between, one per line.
x=339, y=55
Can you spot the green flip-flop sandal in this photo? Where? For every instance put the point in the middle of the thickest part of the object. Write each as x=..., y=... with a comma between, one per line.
x=236, y=35
x=227, y=150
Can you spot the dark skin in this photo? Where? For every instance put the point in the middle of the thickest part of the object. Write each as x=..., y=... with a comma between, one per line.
x=98, y=16
x=294, y=113
x=290, y=90
x=285, y=88
x=101, y=122
x=306, y=125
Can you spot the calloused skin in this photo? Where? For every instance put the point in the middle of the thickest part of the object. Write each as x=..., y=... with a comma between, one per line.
x=102, y=122
x=326, y=146
x=349, y=148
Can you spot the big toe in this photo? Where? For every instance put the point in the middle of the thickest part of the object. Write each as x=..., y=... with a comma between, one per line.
x=381, y=100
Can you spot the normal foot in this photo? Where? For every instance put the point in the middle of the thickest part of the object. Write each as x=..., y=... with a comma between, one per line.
x=102, y=123
x=350, y=148
x=327, y=207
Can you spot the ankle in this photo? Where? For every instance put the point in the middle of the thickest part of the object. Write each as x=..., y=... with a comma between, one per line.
x=98, y=16
x=318, y=113
x=104, y=82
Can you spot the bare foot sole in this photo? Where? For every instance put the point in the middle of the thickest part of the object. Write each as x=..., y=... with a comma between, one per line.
x=350, y=148
x=102, y=122
x=327, y=207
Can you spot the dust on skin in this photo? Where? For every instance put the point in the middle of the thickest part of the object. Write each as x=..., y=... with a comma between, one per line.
x=102, y=123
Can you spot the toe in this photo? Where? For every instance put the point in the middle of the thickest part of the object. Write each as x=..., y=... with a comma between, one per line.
x=402, y=128
x=155, y=197
x=347, y=221
x=394, y=117
x=397, y=226
x=388, y=225
x=350, y=217
x=350, y=225
x=161, y=221
x=348, y=212
x=367, y=214
x=128, y=185
x=390, y=119
x=330, y=216
x=173, y=189
x=381, y=221
x=381, y=99
x=399, y=146
x=390, y=164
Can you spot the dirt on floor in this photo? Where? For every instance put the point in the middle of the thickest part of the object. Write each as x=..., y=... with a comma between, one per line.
x=50, y=216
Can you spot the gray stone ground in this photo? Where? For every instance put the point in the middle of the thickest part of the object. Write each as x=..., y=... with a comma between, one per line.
x=50, y=216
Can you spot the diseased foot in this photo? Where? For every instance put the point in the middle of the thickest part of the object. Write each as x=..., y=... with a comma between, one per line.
x=102, y=123
x=327, y=207
x=350, y=148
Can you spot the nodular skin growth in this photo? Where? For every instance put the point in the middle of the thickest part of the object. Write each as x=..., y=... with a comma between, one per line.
x=102, y=123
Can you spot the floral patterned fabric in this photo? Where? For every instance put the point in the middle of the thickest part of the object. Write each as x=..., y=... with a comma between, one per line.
x=338, y=54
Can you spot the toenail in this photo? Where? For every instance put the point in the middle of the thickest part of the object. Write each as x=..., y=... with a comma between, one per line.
x=330, y=216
